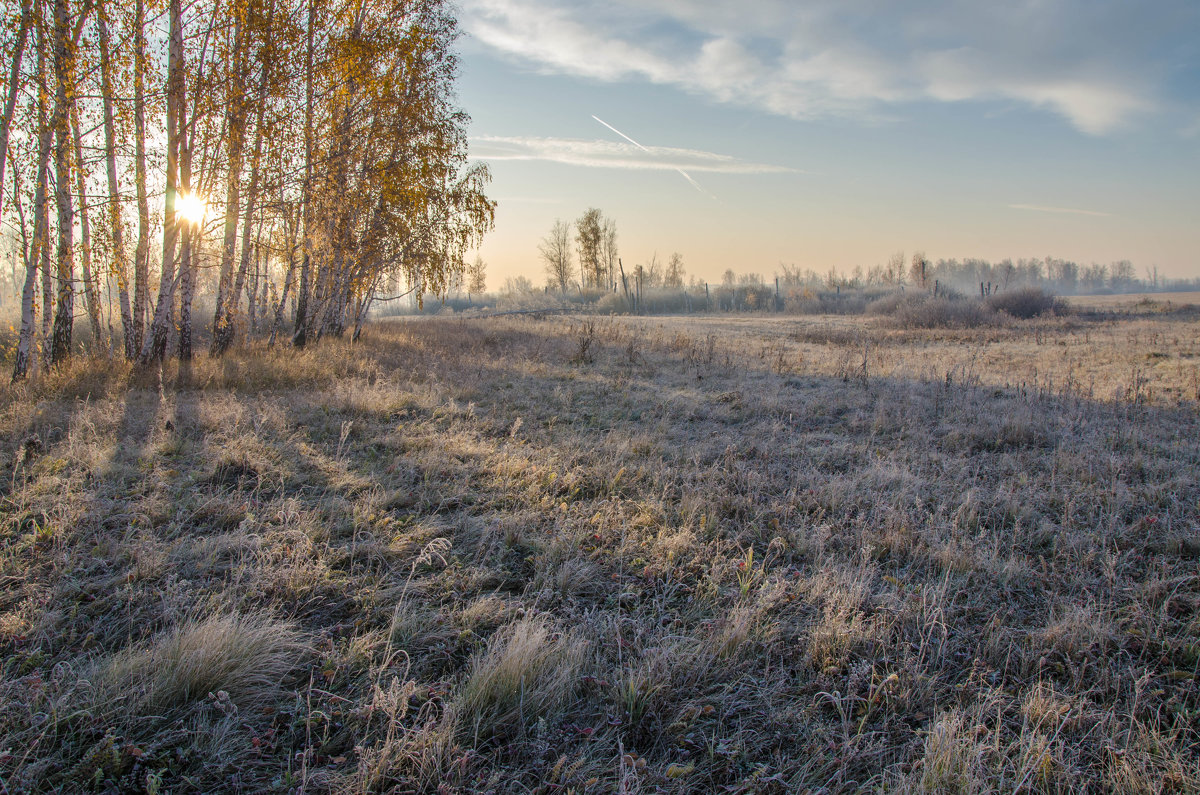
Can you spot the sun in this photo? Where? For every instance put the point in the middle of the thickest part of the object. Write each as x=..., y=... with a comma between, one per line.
x=191, y=207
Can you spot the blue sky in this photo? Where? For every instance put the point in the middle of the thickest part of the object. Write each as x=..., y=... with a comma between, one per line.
x=833, y=133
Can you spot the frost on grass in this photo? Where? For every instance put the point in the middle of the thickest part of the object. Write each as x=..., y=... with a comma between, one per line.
x=746, y=554
x=528, y=672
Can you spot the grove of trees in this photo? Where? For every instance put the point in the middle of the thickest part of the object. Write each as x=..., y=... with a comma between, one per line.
x=275, y=163
x=596, y=248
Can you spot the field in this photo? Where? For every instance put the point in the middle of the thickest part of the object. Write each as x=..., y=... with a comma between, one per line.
x=1131, y=302
x=729, y=554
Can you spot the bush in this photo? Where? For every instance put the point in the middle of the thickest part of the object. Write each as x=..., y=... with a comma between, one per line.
x=743, y=297
x=1026, y=302
x=848, y=301
x=613, y=304
x=655, y=301
x=919, y=310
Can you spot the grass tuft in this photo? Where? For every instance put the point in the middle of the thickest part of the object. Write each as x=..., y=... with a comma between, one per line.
x=527, y=672
x=244, y=656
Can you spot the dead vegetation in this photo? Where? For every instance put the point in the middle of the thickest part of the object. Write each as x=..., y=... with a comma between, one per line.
x=530, y=555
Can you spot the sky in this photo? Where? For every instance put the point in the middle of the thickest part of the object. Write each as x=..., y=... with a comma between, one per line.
x=834, y=133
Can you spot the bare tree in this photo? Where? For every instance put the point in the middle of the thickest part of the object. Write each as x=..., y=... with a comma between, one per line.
x=477, y=277
x=674, y=275
x=652, y=275
x=608, y=252
x=555, y=249
x=895, y=269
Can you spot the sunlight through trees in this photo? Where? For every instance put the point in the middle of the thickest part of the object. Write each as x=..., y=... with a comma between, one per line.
x=290, y=157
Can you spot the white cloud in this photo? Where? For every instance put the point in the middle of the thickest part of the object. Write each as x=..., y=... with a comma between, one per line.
x=853, y=57
x=1059, y=210
x=609, y=154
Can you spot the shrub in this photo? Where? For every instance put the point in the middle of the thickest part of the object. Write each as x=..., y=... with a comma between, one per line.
x=808, y=302
x=1026, y=302
x=655, y=301
x=613, y=304
x=918, y=310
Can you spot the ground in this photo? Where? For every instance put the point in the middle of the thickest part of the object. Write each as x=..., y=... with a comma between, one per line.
x=751, y=554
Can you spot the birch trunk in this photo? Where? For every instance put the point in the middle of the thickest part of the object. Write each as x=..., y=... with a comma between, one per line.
x=39, y=255
x=236, y=124
x=288, y=278
x=156, y=341
x=91, y=292
x=64, y=316
x=224, y=327
x=253, y=283
x=187, y=276
x=120, y=264
x=187, y=265
x=300, y=334
x=141, y=256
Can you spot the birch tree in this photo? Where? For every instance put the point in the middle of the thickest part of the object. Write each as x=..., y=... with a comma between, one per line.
x=555, y=249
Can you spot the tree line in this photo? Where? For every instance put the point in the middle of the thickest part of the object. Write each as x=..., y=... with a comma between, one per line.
x=1053, y=273
x=278, y=162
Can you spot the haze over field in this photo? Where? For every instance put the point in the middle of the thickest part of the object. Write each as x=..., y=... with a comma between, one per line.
x=832, y=134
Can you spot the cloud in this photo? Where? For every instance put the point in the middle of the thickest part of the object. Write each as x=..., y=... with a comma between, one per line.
x=1062, y=210
x=610, y=154
x=1097, y=66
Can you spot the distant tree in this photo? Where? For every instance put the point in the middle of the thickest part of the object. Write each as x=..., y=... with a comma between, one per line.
x=518, y=285
x=895, y=269
x=674, y=275
x=1121, y=274
x=589, y=235
x=1094, y=277
x=789, y=275
x=555, y=249
x=476, y=277
x=652, y=275
x=918, y=274
x=1068, y=275
x=1031, y=271
x=608, y=252
x=1005, y=271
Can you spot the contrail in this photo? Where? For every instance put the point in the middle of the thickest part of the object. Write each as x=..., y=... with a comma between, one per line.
x=686, y=175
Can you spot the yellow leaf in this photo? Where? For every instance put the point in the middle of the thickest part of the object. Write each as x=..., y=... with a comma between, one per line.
x=679, y=771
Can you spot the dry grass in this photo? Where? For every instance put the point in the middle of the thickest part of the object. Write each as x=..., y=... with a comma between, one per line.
x=244, y=657
x=744, y=554
x=526, y=675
